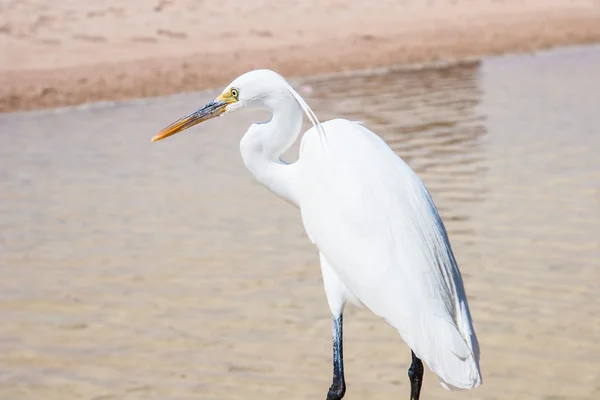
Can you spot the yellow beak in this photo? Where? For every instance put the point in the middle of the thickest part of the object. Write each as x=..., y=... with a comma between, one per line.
x=211, y=110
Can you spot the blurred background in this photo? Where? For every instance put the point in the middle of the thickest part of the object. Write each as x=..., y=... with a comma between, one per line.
x=131, y=270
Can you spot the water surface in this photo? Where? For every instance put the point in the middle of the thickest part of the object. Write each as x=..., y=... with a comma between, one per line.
x=131, y=270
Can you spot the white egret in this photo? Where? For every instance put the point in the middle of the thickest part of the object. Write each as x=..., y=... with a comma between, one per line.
x=381, y=241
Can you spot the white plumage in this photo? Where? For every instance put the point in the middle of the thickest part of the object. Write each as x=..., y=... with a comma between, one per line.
x=381, y=240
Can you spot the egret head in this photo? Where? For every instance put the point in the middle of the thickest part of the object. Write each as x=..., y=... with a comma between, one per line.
x=259, y=88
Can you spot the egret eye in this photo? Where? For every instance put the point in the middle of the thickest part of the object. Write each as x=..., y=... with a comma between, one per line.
x=235, y=93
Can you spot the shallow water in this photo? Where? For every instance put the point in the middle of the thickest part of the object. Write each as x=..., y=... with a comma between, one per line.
x=131, y=270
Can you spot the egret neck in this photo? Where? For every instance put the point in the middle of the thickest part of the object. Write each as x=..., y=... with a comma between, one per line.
x=264, y=143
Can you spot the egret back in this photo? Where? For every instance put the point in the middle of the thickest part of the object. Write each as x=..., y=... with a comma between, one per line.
x=375, y=222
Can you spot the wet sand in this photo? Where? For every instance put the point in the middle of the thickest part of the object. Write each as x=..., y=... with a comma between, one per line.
x=132, y=270
x=62, y=53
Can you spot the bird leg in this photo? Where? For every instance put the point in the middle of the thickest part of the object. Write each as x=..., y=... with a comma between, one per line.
x=338, y=387
x=415, y=373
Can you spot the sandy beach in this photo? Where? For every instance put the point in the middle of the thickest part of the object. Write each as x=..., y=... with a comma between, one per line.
x=64, y=53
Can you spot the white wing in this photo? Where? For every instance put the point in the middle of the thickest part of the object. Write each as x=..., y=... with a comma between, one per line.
x=374, y=221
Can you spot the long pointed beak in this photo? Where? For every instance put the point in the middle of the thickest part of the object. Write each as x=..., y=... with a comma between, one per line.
x=211, y=110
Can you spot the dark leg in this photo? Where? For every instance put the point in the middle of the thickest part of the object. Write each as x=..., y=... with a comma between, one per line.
x=338, y=387
x=415, y=373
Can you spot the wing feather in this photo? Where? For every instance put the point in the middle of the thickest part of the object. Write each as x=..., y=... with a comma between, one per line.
x=376, y=223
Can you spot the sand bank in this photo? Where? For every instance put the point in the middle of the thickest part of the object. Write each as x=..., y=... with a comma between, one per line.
x=64, y=53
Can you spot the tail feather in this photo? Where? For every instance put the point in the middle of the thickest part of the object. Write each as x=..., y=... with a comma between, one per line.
x=450, y=356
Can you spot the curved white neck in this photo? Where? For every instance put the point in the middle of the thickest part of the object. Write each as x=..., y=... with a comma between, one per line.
x=263, y=144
